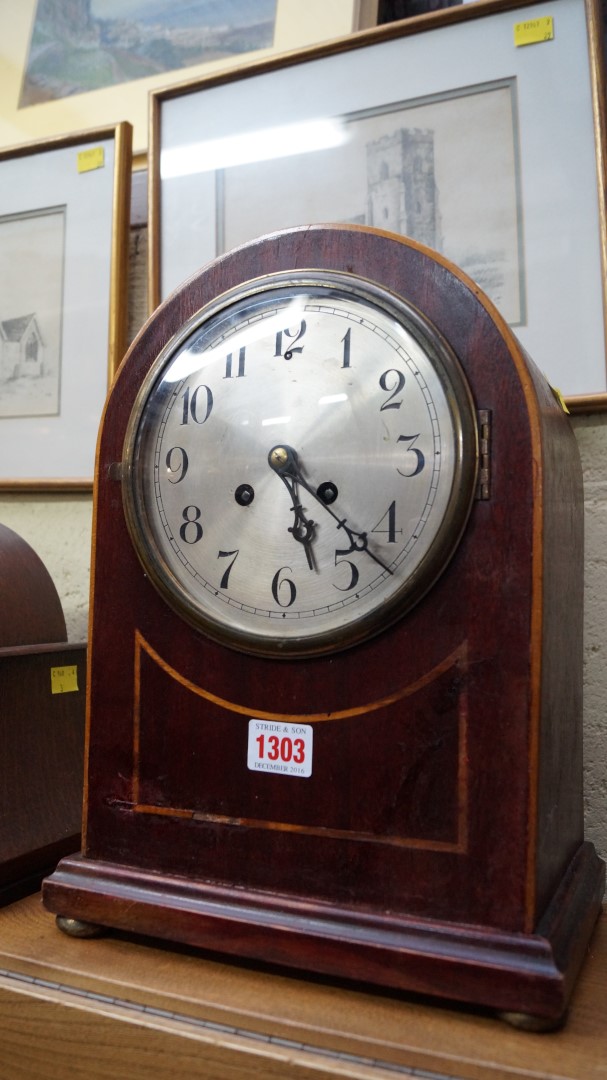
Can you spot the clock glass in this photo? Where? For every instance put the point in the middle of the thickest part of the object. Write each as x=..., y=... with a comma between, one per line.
x=300, y=463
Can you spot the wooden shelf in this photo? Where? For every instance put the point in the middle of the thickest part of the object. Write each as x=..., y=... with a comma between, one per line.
x=115, y=1008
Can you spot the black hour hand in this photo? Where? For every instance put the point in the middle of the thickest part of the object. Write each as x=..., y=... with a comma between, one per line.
x=282, y=461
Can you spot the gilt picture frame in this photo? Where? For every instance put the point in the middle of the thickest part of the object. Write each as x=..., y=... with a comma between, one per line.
x=513, y=178
x=295, y=25
x=64, y=219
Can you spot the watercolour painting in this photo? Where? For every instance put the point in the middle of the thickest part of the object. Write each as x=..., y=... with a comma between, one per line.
x=78, y=46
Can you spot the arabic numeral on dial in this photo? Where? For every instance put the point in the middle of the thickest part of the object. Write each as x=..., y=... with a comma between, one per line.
x=198, y=408
x=354, y=574
x=226, y=574
x=176, y=463
x=414, y=458
x=387, y=524
x=295, y=334
x=240, y=369
x=191, y=530
x=392, y=381
x=346, y=344
x=283, y=589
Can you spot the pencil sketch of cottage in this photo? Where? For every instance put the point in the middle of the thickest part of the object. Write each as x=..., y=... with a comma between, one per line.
x=402, y=191
x=21, y=348
x=32, y=258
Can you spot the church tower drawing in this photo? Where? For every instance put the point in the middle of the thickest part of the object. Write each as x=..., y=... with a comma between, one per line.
x=402, y=193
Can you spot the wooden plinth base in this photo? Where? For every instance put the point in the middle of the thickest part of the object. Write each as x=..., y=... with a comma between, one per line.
x=529, y=974
x=122, y=1008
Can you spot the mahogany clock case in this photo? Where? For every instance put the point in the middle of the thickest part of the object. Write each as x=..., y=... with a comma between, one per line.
x=41, y=733
x=438, y=844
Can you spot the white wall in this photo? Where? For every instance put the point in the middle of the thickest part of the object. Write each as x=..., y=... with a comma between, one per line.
x=591, y=434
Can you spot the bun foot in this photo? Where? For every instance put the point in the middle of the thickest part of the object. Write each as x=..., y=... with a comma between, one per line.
x=77, y=928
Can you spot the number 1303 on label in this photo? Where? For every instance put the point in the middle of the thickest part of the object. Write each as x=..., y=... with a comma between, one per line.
x=279, y=747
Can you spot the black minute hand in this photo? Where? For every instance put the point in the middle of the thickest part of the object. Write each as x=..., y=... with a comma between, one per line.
x=283, y=460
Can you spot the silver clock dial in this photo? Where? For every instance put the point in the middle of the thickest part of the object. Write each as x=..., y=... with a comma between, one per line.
x=301, y=462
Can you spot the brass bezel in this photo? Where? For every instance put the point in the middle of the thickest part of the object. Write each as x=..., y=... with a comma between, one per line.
x=417, y=584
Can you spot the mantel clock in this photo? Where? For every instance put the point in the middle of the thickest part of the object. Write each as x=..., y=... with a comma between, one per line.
x=335, y=695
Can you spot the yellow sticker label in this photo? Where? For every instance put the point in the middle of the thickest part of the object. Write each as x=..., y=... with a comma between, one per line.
x=559, y=397
x=91, y=159
x=534, y=30
x=64, y=680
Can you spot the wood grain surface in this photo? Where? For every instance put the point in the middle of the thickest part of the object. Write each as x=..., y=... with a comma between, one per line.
x=119, y=1008
x=41, y=732
x=41, y=751
x=30, y=612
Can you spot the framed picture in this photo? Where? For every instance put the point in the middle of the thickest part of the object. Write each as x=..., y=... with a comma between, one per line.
x=64, y=219
x=62, y=71
x=477, y=130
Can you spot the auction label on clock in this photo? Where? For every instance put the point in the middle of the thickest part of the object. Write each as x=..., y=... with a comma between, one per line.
x=279, y=747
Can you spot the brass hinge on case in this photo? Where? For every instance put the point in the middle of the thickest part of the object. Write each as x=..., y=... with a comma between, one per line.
x=483, y=486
